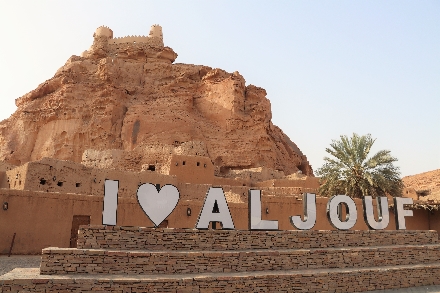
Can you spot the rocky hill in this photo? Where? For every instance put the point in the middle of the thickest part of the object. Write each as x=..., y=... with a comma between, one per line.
x=426, y=184
x=126, y=98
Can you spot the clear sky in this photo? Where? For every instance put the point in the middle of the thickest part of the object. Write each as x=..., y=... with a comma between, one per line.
x=329, y=67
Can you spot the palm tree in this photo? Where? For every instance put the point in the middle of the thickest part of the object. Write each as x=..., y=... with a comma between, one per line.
x=350, y=172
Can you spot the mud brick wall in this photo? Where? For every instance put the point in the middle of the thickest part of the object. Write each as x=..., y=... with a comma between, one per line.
x=138, y=238
x=99, y=261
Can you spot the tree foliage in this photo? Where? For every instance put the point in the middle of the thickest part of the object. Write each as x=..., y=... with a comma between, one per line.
x=350, y=172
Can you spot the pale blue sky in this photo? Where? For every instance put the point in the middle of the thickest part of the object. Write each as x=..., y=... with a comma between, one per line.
x=329, y=67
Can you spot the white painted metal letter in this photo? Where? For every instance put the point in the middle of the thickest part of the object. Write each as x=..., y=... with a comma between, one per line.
x=207, y=215
x=110, y=202
x=309, y=205
x=255, y=221
x=400, y=213
x=333, y=215
x=383, y=214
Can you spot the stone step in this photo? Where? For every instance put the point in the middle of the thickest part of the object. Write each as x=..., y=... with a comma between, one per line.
x=138, y=238
x=316, y=280
x=103, y=261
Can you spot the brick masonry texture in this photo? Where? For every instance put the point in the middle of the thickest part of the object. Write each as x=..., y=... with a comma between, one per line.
x=330, y=280
x=138, y=238
x=135, y=259
x=79, y=261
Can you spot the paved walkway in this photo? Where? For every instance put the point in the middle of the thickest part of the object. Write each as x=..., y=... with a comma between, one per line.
x=18, y=261
x=33, y=261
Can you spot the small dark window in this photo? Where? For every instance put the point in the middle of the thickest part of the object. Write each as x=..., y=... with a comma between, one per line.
x=42, y=181
x=183, y=163
x=54, y=178
x=198, y=163
x=60, y=183
x=177, y=164
x=151, y=167
x=78, y=184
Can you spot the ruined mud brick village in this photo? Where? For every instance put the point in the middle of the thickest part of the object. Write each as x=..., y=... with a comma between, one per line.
x=125, y=111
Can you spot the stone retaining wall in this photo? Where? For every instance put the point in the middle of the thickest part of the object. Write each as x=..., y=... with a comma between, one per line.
x=332, y=280
x=134, y=259
x=99, y=261
x=138, y=238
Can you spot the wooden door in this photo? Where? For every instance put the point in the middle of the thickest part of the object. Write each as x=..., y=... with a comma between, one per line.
x=76, y=222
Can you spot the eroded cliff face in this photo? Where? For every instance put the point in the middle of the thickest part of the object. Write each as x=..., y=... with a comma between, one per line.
x=130, y=96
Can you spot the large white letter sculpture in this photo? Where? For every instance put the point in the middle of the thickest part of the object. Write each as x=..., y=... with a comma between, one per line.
x=255, y=221
x=157, y=205
x=110, y=202
x=383, y=214
x=207, y=215
x=400, y=213
x=334, y=216
x=309, y=205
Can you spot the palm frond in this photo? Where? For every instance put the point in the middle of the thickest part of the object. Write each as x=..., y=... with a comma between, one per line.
x=350, y=171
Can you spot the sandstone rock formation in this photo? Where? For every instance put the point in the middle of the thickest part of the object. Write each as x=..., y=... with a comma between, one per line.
x=124, y=104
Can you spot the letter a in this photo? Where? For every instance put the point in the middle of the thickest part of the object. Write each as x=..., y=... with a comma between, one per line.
x=215, y=213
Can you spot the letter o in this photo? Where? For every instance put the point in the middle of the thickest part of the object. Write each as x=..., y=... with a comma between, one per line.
x=332, y=212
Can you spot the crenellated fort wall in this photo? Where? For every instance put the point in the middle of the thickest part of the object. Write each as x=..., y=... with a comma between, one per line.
x=154, y=38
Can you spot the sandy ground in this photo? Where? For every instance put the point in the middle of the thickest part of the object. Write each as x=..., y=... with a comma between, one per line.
x=33, y=261
x=18, y=261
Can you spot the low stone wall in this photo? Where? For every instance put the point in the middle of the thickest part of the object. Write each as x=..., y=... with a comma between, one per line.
x=138, y=238
x=136, y=259
x=99, y=261
x=330, y=280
